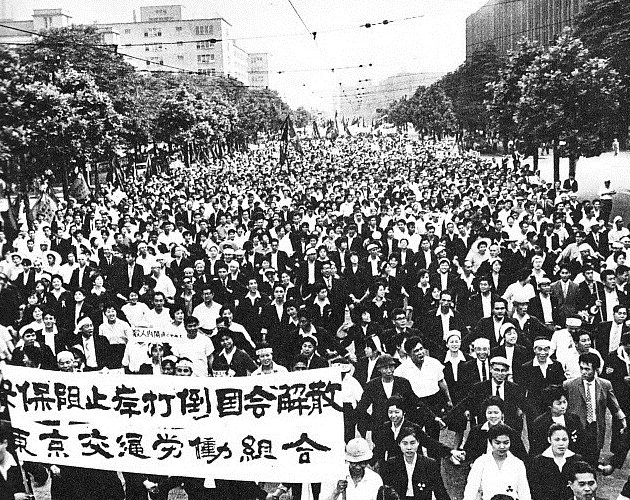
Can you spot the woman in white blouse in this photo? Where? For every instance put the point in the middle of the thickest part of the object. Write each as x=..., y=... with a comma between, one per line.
x=498, y=472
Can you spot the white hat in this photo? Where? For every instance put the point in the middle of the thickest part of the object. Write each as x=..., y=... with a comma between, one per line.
x=574, y=322
x=500, y=360
x=542, y=343
x=482, y=342
x=505, y=327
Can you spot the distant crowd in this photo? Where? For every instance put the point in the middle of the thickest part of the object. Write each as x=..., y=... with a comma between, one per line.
x=454, y=291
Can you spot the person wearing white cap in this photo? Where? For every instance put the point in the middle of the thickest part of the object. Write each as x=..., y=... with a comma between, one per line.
x=618, y=230
x=512, y=350
x=538, y=374
x=512, y=395
x=359, y=482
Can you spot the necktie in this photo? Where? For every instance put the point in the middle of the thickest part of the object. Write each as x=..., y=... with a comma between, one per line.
x=498, y=393
x=590, y=411
x=484, y=373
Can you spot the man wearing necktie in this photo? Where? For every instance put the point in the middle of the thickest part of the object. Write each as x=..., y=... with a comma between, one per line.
x=512, y=395
x=588, y=397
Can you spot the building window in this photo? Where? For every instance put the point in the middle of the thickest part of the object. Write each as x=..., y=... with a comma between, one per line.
x=153, y=32
x=180, y=58
x=178, y=28
x=205, y=71
x=205, y=58
x=206, y=44
x=203, y=30
x=127, y=31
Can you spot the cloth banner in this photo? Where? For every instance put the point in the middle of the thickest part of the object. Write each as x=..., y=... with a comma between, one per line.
x=274, y=428
x=79, y=188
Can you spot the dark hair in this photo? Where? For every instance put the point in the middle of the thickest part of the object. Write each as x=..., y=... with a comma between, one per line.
x=590, y=358
x=499, y=430
x=398, y=401
x=33, y=353
x=493, y=401
x=6, y=433
x=556, y=427
x=575, y=335
x=552, y=393
x=412, y=342
x=408, y=431
x=580, y=467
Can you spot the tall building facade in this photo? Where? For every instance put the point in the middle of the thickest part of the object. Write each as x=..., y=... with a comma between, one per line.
x=504, y=22
x=161, y=40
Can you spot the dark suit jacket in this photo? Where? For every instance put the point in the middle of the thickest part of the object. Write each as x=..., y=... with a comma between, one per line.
x=477, y=444
x=514, y=401
x=485, y=329
x=102, y=348
x=538, y=435
x=520, y=356
x=604, y=398
x=533, y=383
x=426, y=478
x=374, y=395
x=602, y=246
x=361, y=374
x=615, y=370
x=473, y=311
x=384, y=441
x=547, y=481
x=567, y=306
x=85, y=283
x=602, y=337
x=535, y=309
x=120, y=278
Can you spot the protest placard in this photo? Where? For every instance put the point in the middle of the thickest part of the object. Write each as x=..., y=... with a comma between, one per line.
x=280, y=427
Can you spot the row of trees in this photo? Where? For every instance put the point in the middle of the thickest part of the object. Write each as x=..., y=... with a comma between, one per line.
x=573, y=95
x=67, y=101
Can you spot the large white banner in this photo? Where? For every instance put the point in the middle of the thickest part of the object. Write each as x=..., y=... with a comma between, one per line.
x=285, y=427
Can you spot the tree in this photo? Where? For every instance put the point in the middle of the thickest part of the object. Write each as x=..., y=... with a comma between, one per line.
x=604, y=27
x=302, y=117
x=432, y=112
x=467, y=88
x=567, y=99
x=506, y=94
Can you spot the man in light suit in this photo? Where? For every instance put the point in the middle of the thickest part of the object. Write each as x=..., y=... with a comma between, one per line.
x=591, y=406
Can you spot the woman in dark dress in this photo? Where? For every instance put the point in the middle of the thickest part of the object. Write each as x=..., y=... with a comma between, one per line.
x=426, y=478
x=547, y=472
x=453, y=363
x=477, y=441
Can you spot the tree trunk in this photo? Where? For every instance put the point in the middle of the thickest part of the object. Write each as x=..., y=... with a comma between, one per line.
x=556, y=162
x=535, y=158
x=572, y=164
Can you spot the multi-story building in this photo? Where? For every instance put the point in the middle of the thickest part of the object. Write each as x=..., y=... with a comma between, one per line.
x=504, y=22
x=163, y=41
x=258, y=64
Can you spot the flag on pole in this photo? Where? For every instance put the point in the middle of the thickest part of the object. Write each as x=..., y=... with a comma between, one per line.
x=46, y=206
x=284, y=141
x=316, y=133
x=79, y=188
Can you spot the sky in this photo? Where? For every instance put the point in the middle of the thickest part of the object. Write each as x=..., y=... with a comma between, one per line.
x=433, y=40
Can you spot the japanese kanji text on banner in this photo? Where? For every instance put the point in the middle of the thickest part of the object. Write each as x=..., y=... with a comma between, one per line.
x=284, y=427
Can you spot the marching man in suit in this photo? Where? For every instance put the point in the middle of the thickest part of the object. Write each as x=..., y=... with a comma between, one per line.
x=588, y=397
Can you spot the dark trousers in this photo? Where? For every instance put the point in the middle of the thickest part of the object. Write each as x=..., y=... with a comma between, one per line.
x=606, y=209
x=349, y=422
x=591, y=449
x=432, y=428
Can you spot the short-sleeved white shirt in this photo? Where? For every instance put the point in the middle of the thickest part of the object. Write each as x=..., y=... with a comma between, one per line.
x=424, y=381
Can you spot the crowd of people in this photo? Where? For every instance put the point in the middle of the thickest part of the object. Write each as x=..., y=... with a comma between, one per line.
x=453, y=291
